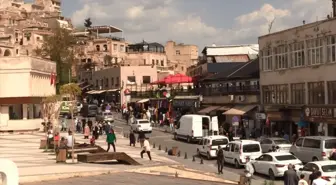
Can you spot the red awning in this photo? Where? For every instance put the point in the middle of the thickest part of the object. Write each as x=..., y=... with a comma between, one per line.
x=177, y=79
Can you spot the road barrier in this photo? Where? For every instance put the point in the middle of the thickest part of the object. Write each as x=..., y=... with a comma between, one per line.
x=154, y=145
x=185, y=155
x=193, y=159
x=159, y=147
x=201, y=161
x=166, y=149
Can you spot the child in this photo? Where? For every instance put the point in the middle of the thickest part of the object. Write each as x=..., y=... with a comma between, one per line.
x=302, y=181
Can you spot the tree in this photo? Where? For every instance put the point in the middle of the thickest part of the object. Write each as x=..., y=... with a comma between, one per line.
x=73, y=91
x=58, y=47
x=88, y=23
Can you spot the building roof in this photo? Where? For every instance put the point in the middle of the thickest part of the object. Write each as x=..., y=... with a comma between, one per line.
x=147, y=43
x=231, y=50
x=104, y=29
x=222, y=69
x=245, y=70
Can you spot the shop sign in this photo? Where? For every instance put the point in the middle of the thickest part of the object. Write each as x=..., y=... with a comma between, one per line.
x=260, y=116
x=184, y=103
x=320, y=112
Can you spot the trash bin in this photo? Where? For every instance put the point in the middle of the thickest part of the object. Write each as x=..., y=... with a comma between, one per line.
x=61, y=156
x=174, y=151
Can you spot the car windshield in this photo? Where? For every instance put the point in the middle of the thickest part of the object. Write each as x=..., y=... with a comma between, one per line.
x=219, y=142
x=329, y=168
x=144, y=122
x=330, y=143
x=107, y=114
x=285, y=157
x=281, y=141
x=251, y=148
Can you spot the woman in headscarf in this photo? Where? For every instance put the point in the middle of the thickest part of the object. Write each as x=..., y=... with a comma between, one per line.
x=86, y=132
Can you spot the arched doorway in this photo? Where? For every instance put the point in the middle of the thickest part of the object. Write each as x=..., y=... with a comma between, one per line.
x=7, y=53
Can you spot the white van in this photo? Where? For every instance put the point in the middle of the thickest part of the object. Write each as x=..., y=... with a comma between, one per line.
x=313, y=148
x=237, y=151
x=193, y=127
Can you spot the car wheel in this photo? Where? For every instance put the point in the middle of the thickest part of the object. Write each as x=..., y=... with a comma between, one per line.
x=188, y=139
x=208, y=156
x=271, y=174
x=237, y=165
x=315, y=159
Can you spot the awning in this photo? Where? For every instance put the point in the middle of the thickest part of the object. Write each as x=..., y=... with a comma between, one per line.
x=239, y=110
x=112, y=90
x=143, y=101
x=99, y=92
x=208, y=109
x=86, y=86
x=224, y=108
x=91, y=92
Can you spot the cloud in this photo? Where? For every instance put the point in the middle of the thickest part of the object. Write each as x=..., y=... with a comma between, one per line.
x=162, y=20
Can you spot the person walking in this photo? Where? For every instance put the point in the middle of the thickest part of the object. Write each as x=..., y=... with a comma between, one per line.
x=141, y=138
x=249, y=171
x=86, y=132
x=220, y=159
x=312, y=176
x=146, y=149
x=132, y=138
x=290, y=176
x=319, y=180
x=111, y=139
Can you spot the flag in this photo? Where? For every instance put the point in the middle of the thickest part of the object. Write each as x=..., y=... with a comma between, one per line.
x=52, y=79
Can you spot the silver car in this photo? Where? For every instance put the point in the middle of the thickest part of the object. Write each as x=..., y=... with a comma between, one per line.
x=280, y=144
x=105, y=116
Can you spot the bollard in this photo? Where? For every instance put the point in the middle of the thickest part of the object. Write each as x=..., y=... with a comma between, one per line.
x=194, y=159
x=166, y=149
x=159, y=147
x=154, y=145
x=185, y=155
x=201, y=161
x=176, y=174
x=178, y=153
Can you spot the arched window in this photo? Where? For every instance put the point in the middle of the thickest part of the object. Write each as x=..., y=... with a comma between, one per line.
x=105, y=47
x=98, y=47
x=7, y=53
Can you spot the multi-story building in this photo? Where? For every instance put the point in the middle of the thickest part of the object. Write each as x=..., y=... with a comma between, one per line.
x=297, y=77
x=43, y=6
x=180, y=56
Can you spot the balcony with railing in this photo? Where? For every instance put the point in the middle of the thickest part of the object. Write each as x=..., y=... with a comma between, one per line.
x=204, y=91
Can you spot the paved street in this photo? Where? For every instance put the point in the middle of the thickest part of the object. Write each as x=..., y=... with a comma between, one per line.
x=126, y=179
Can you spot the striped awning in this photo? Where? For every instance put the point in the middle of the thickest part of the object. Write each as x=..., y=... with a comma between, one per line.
x=240, y=110
x=208, y=109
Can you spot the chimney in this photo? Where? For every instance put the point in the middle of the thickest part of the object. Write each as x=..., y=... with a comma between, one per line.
x=334, y=7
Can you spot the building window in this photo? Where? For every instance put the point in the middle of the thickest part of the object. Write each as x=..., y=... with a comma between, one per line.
x=182, y=68
x=117, y=83
x=281, y=57
x=298, y=93
x=122, y=48
x=157, y=62
x=267, y=60
x=162, y=62
x=101, y=83
x=275, y=94
x=115, y=47
x=297, y=54
x=332, y=92
x=146, y=79
x=131, y=80
x=106, y=82
x=178, y=52
x=153, y=62
x=331, y=49
x=315, y=51
x=112, y=81
x=105, y=47
x=97, y=47
x=316, y=93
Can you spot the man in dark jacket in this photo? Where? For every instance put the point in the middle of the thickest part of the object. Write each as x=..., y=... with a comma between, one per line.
x=220, y=160
x=290, y=176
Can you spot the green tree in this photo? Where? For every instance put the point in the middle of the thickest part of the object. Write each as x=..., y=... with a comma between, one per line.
x=88, y=23
x=71, y=90
x=58, y=47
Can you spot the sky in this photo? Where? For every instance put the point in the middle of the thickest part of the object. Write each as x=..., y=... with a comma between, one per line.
x=200, y=22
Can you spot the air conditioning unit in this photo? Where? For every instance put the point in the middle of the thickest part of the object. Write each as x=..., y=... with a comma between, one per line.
x=231, y=97
x=241, y=98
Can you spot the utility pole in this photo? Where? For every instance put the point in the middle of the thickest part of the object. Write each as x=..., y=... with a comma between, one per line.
x=334, y=7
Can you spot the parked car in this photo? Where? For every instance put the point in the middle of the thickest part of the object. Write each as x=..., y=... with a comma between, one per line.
x=209, y=146
x=237, y=151
x=274, y=164
x=141, y=125
x=105, y=116
x=194, y=127
x=327, y=168
x=313, y=148
x=281, y=144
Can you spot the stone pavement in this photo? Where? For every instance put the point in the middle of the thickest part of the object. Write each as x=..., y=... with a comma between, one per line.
x=127, y=179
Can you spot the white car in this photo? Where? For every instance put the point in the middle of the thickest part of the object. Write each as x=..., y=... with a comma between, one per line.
x=327, y=168
x=141, y=125
x=209, y=146
x=280, y=143
x=274, y=164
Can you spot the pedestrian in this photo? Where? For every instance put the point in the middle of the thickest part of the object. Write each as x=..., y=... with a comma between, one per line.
x=312, y=176
x=302, y=181
x=111, y=139
x=230, y=134
x=141, y=138
x=220, y=159
x=146, y=149
x=249, y=171
x=132, y=138
x=86, y=131
x=69, y=143
x=290, y=176
x=95, y=131
x=319, y=180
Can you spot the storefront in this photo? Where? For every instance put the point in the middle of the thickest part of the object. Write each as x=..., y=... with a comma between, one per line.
x=322, y=120
x=186, y=104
